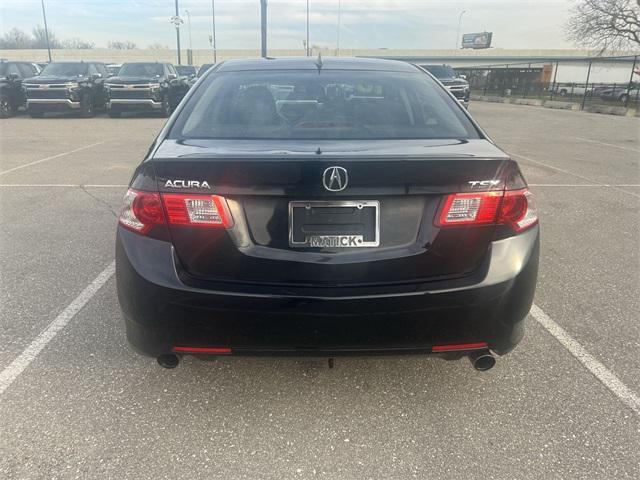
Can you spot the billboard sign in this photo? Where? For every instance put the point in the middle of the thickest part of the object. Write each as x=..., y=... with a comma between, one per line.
x=477, y=40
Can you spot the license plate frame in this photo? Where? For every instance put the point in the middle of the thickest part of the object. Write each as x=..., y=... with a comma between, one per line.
x=341, y=241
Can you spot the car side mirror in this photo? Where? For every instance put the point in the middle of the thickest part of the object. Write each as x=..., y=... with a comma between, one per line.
x=96, y=76
x=172, y=76
x=12, y=76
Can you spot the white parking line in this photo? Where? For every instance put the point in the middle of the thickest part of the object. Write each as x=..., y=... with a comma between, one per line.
x=28, y=355
x=50, y=158
x=613, y=187
x=629, y=149
x=602, y=373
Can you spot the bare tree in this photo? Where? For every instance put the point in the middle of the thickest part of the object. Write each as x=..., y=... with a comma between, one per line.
x=605, y=24
x=158, y=46
x=122, y=45
x=40, y=38
x=78, y=44
x=15, y=39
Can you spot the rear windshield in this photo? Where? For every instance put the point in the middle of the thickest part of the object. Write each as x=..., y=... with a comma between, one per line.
x=440, y=71
x=185, y=69
x=66, y=69
x=141, y=70
x=331, y=104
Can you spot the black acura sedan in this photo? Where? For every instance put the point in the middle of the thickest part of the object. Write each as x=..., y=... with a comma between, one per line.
x=322, y=207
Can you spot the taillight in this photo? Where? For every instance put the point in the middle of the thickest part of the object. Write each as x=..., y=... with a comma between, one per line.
x=518, y=210
x=197, y=210
x=515, y=208
x=470, y=208
x=141, y=211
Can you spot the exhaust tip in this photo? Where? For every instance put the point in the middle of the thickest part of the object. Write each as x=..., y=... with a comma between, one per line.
x=482, y=360
x=169, y=360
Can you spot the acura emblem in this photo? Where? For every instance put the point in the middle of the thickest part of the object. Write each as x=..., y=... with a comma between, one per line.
x=335, y=179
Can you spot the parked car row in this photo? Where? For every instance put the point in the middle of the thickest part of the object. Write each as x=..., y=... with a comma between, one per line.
x=621, y=92
x=88, y=87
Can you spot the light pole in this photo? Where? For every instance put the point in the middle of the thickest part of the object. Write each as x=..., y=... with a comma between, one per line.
x=189, y=25
x=263, y=27
x=459, y=27
x=213, y=30
x=339, y=17
x=46, y=30
x=176, y=20
x=308, y=53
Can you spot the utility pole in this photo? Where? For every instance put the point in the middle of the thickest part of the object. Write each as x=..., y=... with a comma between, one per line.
x=46, y=30
x=339, y=16
x=213, y=30
x=263, y=27
x=459, y=27
x=308, y=52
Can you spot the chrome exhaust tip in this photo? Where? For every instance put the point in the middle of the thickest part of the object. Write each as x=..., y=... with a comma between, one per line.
x=482, y=360
x=168, y=360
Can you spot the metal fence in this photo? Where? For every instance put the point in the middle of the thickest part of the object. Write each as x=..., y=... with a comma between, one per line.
x=613, y=81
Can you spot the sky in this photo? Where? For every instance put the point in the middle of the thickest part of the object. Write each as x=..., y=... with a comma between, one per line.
x=411, y=24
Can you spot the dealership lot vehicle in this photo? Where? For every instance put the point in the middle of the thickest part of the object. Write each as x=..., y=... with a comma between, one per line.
x=393, y=225
x=457, y=85
x=145, y=86
x=85, y=406
x=67, y=86
x=11, y=92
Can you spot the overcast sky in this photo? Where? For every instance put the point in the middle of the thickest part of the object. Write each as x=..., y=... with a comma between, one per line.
x=421, y=24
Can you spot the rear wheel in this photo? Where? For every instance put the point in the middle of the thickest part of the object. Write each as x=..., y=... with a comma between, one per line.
x=5, y=107
x=86, y=107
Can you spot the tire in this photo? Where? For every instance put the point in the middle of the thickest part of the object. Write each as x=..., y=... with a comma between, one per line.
x=36, y=113
x=6, y=110
x=86, y=107
x=114, y=114
x=165, y=110
x=563, y=92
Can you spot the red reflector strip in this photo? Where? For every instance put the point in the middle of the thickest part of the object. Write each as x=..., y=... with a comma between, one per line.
x=459, y=346
x=216, y=350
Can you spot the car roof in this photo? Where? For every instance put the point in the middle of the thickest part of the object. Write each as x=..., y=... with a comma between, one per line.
x=311, y=63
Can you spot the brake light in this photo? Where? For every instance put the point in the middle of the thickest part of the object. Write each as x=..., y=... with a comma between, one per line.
x=141, y=211
x=518, y=210
x=197, y=210
x=515, y=208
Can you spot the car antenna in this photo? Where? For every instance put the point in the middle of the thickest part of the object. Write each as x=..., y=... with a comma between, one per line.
x=319, y=61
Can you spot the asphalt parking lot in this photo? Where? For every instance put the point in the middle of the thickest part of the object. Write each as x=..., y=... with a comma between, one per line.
x=76, y=402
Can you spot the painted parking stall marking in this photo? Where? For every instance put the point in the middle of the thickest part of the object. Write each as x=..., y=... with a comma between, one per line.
x=602, y=373
x=19, y=365
x=53, y=157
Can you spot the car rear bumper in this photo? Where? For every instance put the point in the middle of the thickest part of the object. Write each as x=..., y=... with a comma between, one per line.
x=133, y=104
x=52, y=103
x=162, y=311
